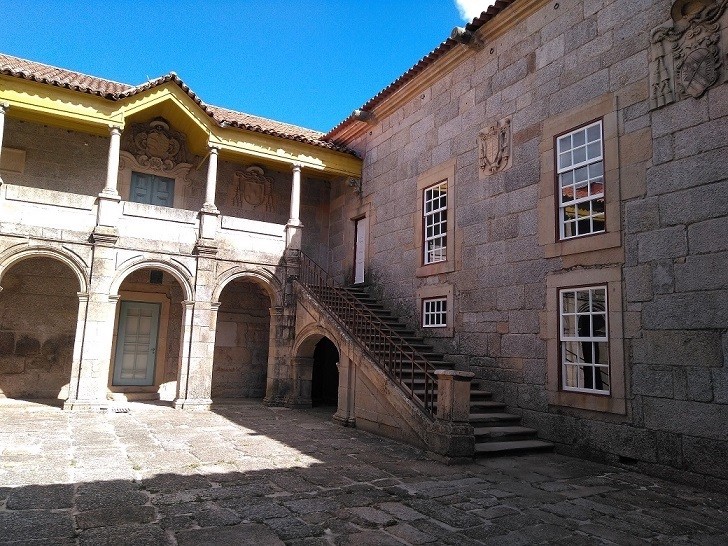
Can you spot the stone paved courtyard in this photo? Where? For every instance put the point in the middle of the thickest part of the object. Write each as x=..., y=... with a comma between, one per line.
x=248, y=474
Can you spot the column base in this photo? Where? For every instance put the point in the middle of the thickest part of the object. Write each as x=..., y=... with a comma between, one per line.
x=344, y=420
x=193, y=404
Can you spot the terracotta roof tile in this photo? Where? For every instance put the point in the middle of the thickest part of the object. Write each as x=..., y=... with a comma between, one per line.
x=51, y=75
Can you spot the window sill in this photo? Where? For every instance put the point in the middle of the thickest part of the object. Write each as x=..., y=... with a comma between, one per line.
x=437, y=268
x=592, y=402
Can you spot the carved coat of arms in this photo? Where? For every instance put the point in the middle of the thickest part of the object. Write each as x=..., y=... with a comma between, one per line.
x=687, y=58
x=253, y=186
x=494, y=147
x=156, y=145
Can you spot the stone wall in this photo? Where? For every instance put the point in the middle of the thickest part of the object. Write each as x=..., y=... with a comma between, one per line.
x=560, y=67
x=241, y=342
x=38, y=312
x=57, y=159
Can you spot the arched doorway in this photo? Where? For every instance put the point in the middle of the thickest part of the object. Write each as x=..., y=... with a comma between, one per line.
x=38, y=319
x=325, y=374
x=147, y=336
x=240, y=362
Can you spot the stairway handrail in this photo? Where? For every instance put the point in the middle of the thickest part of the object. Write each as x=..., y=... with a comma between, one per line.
x=312, y=274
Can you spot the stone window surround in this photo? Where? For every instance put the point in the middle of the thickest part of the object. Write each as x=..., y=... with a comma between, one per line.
x=439, y=173
x=128, y=164
x=615, y=402
x=603, y=108
x=437, y=291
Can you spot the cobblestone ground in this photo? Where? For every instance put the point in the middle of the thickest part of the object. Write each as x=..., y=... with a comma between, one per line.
x=247, y=474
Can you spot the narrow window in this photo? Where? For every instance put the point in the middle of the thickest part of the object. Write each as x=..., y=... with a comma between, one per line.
x=435, y=223
x=584, y=339
x=580, y=168
x=434, y=312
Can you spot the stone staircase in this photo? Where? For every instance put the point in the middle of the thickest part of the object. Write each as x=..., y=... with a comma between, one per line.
x=496, y=431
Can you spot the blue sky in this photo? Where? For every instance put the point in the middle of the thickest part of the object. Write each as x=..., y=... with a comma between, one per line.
x=309, y=63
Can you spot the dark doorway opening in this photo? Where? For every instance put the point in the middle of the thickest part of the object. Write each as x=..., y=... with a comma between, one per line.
x=325, y=374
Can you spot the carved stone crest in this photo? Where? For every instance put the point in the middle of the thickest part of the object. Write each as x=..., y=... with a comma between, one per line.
x=253, y=186
x=494, y=147
x=687, y=58
x=156, y=145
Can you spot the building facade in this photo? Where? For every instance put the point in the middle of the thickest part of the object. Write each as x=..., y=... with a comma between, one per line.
x=543, y=198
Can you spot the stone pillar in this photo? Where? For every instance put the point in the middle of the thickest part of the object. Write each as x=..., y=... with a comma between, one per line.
x=279, y=383
x=3, y=108
x=302, y=368
x=183, y=367
x=452, y=439
x=197, y=391
x=347, y=384
x=90, y=385
x=293, y=228
x=109, y=198
x=77, y=349
x=210, y=215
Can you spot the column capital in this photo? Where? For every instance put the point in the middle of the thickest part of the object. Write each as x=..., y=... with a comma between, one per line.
x=213, y=148
x=115, y=129
x=4, y=107
x=296, y=166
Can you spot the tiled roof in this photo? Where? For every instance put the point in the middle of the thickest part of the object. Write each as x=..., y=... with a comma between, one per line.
x=421, y=65
x=108, y=89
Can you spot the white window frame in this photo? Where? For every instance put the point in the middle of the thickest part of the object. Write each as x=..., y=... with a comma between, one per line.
x=434, y=312
x=573, y=362
x=434, y=219
x=578, y=158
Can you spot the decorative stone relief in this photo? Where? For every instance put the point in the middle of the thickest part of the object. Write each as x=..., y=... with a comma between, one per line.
x=252, y=186
x=155, y=145
x=494, y=147
x=689, y=57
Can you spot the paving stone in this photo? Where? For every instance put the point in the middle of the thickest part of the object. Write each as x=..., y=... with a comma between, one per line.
x=35, y=524
x=250, y=533
x=39, y=497
x=118, y=515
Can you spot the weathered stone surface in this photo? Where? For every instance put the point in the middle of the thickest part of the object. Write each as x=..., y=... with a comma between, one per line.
x=691, y=418
x=678, y=348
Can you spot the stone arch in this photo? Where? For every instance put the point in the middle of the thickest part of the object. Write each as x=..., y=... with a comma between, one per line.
x=181, y=275
x=11, y=256
x=262, y=277
x=317, y=355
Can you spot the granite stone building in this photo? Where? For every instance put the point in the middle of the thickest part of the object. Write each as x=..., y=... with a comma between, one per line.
x=518, y=244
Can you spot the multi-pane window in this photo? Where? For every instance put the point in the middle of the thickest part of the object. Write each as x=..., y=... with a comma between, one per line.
x=580, y=168
x=584, y=340
x=435, y=223
x=434, y=312
x=152, y=189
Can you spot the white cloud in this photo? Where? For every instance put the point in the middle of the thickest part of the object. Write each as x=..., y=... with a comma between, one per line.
x=470, y=9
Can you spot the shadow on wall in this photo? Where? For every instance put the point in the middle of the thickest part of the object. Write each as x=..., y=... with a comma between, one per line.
x=38, y=315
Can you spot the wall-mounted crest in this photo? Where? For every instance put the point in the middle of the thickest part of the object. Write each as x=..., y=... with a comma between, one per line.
x=687, y=58
x=494, y=147
x=253, y=186
x=156, y=145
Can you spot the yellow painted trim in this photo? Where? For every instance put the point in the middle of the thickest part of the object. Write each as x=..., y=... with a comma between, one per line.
x=44, y=103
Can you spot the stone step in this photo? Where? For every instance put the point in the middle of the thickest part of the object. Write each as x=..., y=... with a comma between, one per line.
x=511, y=448
x=485, y=405
x=484, y=419
x=503, y=433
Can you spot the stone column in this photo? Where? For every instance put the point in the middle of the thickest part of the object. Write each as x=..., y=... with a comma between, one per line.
x=209, y=215
x=302, y=370
x=198, y=387
x=279, y=381
x=77, y=349
x=293, y=228
x=183, y=368
x=3, y=108
x=109, y=198
x=347, y=381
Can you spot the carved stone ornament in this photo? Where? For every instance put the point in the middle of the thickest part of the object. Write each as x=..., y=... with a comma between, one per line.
x=155, y=145
x=494, y=147
x=689, y=57
x=253, y=186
